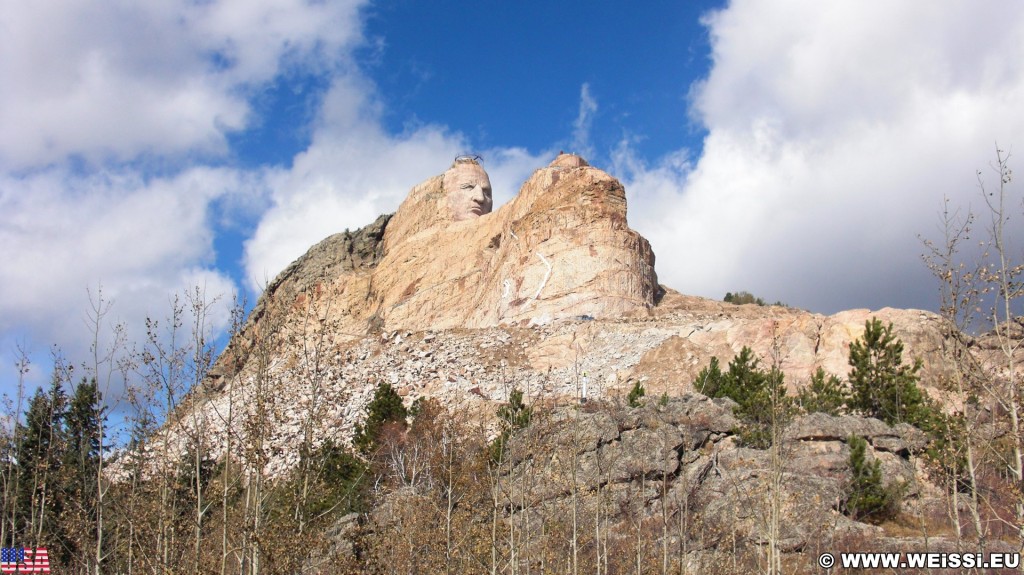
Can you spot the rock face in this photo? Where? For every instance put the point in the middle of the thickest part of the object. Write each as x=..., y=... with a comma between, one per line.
x=548, y=290
x=637, y=465
x=560, y=249
x=349, y=255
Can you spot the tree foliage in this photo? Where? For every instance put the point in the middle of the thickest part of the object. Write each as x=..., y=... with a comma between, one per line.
x=867, y=498
x=881, y=385
x=512, y=416
x=745, y=297
x=825, y=393
x=638, y=391
x=40, y=445
x=760, y=394
x=386, y=409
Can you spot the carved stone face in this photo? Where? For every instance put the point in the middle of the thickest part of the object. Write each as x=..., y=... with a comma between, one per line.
x=469, y=191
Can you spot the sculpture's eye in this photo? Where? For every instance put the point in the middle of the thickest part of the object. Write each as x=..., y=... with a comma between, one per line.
x=468, y=186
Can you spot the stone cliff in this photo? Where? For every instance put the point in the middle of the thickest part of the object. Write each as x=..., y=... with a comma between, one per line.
x=549, y=287
x=561, y=248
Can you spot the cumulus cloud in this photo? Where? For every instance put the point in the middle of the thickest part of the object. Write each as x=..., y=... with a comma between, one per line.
x=113, y=114
x=832, y=139
x=116, y=116
x=115, y=80
x=66, y=235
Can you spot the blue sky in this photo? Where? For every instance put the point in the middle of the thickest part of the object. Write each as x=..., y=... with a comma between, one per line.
x=795, y=148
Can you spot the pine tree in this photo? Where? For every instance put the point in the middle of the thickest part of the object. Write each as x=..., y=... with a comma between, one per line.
x=710, y=379
x=867, y=499
x=385, y=409
x=760, y=394
x=638, y=391
x=83, y=423
x=512, y=416
x=39, y=454
x=881, y=385
x=825, y=394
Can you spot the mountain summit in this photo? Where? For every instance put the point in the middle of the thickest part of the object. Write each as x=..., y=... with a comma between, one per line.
x=449, y=300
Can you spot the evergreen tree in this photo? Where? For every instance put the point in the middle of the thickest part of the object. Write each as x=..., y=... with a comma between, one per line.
x=343, y=480
x=760, y=394
x=867, y=499
x=40, y=448
x=512, y=416
x=638, y=391
x=825, y=394
x=191, y=482
x=881, y=385
x=83, y=423
x=385, y=409
x=710, y=379
x=745, y=381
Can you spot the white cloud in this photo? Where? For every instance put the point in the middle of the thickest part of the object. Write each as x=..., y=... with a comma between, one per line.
x=106, y=80
x=584, y=120
x=64, y=233
x=68, y=236
x=832, y=138
x=96, y=94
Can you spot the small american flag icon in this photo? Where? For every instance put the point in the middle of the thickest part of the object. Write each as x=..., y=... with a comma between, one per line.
x=24, y=560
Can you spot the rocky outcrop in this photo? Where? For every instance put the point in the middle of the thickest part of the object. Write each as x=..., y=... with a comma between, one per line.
x=561, y=248
x=548, y=291
x=554, y=295
x=631, y=466
x=348, y=255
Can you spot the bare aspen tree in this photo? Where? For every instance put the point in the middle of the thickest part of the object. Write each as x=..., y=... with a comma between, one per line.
x=237, y=323
x=958, y=299
x=666, y=448
x=1004, y=277
x=198, y=366
x=163, y=363
x=683, y=500
x=256, y=421
x=638, y=516
x=107, y=363
x=779, y=419
x=135, y=500
x=12, y=444
x=313, y=368
x=575, y=464
x=599, y=505
x=448, y=451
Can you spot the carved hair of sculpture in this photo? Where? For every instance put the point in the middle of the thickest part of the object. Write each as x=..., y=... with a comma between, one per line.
x=468, y=189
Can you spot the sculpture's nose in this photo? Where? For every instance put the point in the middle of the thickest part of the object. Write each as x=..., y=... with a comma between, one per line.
x=478, y=195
